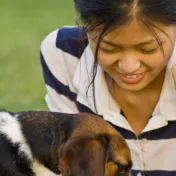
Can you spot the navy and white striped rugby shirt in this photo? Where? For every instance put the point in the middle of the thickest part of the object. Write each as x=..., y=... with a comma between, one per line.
x=67, y=72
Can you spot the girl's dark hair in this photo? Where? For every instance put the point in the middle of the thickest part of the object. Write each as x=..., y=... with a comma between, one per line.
x=116, y=13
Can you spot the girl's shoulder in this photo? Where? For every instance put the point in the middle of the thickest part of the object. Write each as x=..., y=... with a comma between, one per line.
x=69, y=39
x=60, y=54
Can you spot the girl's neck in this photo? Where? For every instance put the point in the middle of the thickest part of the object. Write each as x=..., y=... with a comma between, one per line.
x=137, y=106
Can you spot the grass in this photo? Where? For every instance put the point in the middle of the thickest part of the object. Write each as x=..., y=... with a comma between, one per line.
x=23, y=26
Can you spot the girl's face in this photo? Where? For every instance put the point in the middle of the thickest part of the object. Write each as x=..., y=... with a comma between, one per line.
x=131, y=54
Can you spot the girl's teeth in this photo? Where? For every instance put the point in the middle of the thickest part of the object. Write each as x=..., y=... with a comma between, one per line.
x=131, y=76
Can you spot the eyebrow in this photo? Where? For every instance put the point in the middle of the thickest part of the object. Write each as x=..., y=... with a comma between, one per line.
x=138, y=44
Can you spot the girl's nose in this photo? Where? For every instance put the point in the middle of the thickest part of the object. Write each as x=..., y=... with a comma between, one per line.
x=129, y=64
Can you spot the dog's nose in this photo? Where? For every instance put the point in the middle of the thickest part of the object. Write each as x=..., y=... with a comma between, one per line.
x=124, y=170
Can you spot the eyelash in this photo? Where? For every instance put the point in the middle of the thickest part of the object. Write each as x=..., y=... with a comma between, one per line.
x=149, y=51
x=109, y=51
x=115, y=50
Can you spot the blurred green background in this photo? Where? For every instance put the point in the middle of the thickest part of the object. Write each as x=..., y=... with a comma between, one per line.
x=23, y=26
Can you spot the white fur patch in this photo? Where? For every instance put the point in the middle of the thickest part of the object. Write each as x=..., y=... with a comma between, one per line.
x=41, y=170
x=10, y=128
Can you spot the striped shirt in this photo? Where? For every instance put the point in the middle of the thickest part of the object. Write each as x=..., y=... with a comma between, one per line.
x=67, y=62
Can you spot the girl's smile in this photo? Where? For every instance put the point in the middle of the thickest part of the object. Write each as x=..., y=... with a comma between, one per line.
x=131, y=79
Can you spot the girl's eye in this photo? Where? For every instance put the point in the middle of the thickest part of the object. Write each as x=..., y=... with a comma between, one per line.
x=114, y=50
x=106, y=50
x=148, y=51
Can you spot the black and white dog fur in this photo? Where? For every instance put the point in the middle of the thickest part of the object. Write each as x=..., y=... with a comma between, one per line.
x=30, y=142
x=16, y=156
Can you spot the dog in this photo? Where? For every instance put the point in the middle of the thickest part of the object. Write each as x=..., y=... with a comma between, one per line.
x=42, y=143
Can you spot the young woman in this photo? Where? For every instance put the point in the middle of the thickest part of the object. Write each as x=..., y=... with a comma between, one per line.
x=120, y=64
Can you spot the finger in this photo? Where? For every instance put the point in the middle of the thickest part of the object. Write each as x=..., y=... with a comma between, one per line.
x=174, y=74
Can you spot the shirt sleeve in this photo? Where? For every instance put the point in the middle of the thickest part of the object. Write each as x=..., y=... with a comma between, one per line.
x=58, y=68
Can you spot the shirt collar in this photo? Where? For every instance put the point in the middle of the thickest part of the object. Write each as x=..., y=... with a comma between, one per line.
x=82, y=80
x=106, y=106
x=167, y=102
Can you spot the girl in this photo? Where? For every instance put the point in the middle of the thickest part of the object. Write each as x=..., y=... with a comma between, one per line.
x=120, y=65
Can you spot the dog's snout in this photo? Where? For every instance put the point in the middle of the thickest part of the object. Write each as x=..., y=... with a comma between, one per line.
x=123, y=170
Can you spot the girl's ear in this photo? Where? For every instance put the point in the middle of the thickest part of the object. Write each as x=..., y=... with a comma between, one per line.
x=174, y=74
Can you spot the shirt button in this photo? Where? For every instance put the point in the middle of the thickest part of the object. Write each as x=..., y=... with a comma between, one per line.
x=143, y=149
x=144, y=141
x=139, y=174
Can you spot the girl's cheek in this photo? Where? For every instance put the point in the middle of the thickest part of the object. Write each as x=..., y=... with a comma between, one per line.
x=107, y=62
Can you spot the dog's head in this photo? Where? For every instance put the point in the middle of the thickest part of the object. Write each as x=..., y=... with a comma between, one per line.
x=117, y=155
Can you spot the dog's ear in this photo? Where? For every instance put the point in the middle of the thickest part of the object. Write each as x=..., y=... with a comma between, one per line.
x=83, y=156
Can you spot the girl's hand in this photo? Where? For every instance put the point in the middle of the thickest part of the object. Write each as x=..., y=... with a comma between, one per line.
x=174, y=74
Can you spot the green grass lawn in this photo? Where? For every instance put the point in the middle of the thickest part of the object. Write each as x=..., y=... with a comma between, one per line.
x=23, y=26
